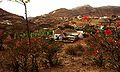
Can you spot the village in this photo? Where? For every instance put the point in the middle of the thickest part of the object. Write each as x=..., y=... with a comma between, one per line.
x=74, y=28
x=81, y=39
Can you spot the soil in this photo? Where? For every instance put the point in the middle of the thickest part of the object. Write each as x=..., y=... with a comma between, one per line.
x=72, y=63
x=69, y=63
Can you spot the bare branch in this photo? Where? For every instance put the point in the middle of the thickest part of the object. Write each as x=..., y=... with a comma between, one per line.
x=18, y=1
x=25, y=1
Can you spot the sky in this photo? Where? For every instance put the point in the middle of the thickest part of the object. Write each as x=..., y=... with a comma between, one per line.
x=40, y=7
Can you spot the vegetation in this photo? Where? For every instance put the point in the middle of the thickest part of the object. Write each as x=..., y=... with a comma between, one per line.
x=105, y=44
x=75, y=50
x=37, y=33
x=32, y=51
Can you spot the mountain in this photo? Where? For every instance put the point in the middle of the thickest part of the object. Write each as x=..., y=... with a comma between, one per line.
x=83, y=10
x=9, y=21
x=56, y=17
x=87, y=10
x=6, y=15
x=62, y=12
x=108, y=10
x=47, y=19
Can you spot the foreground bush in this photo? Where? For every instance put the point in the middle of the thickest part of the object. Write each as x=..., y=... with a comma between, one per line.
x=76, y=50
x=30, y=57
x=105, y=45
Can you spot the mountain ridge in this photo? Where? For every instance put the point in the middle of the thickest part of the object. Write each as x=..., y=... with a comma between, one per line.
x=87, y=10
x=53, y=18
x=10, y=21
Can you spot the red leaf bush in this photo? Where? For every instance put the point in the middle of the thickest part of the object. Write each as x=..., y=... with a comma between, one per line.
x=105, y=45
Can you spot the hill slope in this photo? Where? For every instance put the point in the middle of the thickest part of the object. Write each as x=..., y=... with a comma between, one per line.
x=87, y=10
x=55, y=16
x=12, y=21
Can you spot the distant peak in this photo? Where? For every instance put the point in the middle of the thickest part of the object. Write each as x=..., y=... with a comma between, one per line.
x=61, y=9
x=87, y=6
x=83, y=7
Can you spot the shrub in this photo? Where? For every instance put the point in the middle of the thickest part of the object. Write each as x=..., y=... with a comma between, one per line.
x=106, y=44
x=71, y=50
x=26, y=58
x=50, y=50
x=76, y=50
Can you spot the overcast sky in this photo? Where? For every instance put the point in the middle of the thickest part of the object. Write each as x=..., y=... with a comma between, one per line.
x=39, y=7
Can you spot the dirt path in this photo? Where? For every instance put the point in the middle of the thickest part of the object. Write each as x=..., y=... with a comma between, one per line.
x=75, y=63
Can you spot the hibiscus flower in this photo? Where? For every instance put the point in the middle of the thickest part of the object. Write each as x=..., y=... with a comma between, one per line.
x=108, y=32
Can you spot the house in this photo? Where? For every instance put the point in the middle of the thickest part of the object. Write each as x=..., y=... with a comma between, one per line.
x=68, y=35
x=75, y=33
x=80, y=34
x=58, y=34
x=79, y=17
x=70, y=32
x=104, y=17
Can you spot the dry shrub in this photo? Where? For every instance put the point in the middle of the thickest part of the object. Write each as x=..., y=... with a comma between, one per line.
x=76, y=50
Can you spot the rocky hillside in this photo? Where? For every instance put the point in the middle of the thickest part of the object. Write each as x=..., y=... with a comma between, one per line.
x=62, y=12
x=9, y=21
x=59, y=16
x=108, y=10
x=87, y=10
x=6, y=15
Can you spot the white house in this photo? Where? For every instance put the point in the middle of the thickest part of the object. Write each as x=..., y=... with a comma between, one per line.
x=67, y=35
x=58, y=34
x=80, y=34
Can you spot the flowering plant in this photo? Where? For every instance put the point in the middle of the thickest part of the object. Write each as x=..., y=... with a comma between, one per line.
x=105, y=44
x=27, y=55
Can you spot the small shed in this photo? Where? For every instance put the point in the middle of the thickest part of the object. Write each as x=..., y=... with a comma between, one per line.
x=71, y=33
x=58, y=34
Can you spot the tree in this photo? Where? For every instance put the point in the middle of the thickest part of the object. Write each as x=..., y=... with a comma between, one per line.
x=23, y=2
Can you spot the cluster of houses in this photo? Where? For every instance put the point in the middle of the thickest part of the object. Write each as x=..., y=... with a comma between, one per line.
x=81, y=17
x=67, y=35
x=70, y=35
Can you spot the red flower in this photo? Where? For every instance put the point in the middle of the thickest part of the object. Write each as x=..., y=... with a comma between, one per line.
x=86, y=18
x=108, y=32
x=97, y=31
x=18, y=43
x=118, y=23
x=49, y=47
x=101, y=43
x=96, y=52
x=33, y=40
x=110, y=40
